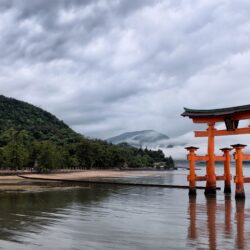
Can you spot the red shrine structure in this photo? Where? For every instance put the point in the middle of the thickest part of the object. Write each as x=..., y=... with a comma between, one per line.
x=230, y=117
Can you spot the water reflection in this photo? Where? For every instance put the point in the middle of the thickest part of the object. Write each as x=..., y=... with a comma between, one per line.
x=240, y=221
x=192, y=212
x=124, y=218
x=160, y=177
x=214, y=231
x=22, y=213
x=228, y=216
x=211, y=221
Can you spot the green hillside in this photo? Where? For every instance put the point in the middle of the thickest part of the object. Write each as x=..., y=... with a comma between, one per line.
x=39, y=124
x=33, y=138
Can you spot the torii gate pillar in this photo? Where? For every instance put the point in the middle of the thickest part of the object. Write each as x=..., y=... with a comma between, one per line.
x=239, y=178
x=211, y=177
x=227, y=174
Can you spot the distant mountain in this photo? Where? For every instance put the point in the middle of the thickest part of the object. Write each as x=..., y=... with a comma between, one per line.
x=139, y=139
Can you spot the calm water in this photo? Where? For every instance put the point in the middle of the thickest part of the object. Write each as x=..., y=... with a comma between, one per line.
x=105, y=217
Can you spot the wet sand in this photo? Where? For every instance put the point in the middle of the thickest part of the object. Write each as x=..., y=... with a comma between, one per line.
x=18, y=184
x=92, y=174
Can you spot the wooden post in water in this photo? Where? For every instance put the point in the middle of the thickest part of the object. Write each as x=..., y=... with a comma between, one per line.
x=227, y=174
x=239, y=178
x=211, y=177
x=192, y=177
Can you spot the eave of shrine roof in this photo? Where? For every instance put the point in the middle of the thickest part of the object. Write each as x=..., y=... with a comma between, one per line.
x=215, y=112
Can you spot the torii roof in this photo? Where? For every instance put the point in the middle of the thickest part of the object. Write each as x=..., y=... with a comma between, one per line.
x=224, y=112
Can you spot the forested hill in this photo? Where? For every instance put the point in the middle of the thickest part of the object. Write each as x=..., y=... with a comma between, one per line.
x=31, y=137
x=39, y=124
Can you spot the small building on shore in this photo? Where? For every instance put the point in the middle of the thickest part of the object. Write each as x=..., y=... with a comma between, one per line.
x=163, y=166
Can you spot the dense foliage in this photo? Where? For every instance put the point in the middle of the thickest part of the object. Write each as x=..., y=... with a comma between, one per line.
x=31, y=137
x=39, y=124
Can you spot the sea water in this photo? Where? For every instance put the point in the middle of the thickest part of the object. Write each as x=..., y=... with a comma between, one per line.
x=125, y=217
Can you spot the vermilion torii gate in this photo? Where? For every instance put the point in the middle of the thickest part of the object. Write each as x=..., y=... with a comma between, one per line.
x=231, y=117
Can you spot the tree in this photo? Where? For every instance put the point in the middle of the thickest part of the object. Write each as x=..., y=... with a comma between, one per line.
x=15, y=153
x=48, y=157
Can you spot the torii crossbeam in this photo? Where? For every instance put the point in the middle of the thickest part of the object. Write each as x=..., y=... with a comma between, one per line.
x=231, y=117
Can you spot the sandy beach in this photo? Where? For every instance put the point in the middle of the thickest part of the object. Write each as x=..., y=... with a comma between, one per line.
x=91, y=174
x=14, y=183
x=18, y=184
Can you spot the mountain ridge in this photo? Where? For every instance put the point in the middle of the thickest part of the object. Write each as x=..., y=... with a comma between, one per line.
x=141, y=138
x=39, y=124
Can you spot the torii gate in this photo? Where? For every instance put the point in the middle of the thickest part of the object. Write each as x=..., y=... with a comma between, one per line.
x=231, y=117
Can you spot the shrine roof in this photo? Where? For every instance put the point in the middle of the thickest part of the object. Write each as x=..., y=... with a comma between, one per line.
x=215, y=112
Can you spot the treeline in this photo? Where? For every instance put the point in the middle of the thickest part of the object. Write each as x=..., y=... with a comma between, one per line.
x=19, y=150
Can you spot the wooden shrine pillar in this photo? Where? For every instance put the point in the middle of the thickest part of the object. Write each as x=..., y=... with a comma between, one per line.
x=211, y=178
x=239, y=178
x=192, y=176
x=227, y=174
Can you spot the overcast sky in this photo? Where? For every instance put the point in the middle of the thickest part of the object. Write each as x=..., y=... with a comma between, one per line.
x=107, y=67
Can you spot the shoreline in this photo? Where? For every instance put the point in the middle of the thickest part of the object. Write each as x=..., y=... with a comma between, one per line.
x=68, y=180
x=86, y=174
x=43, y=182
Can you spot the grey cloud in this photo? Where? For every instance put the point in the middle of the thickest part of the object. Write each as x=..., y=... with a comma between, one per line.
x=107, y=67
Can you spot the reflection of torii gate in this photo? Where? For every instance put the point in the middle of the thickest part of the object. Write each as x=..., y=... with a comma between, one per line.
x=215, y=224
x=231, y=118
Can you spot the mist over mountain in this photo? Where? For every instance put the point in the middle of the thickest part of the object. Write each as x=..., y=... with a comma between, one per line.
x=144, y=138
x=155, y=140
